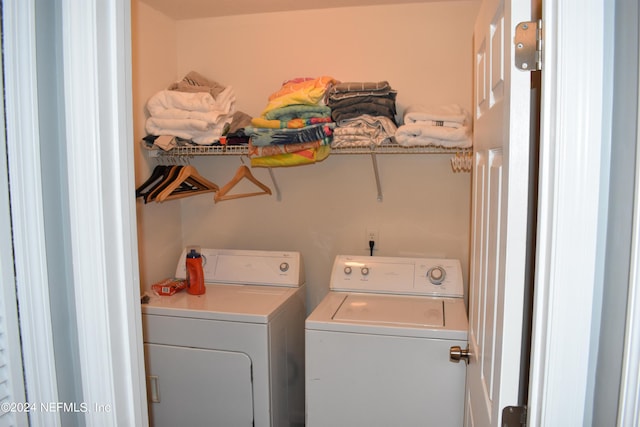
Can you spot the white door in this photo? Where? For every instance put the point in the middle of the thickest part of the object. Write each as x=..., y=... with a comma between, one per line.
x=500, y=209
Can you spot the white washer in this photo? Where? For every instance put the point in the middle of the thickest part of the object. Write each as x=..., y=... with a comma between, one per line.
x=233, y=356
x=377, y=346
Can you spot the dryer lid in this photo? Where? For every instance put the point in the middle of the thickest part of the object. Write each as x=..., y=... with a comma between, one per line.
x=235, y=303
x=391, y=310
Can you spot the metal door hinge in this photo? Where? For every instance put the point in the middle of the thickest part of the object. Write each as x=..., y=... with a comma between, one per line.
x=514, y=416
x=528, y=42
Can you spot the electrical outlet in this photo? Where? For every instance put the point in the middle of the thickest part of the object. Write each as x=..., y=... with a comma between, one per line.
x=372, y=234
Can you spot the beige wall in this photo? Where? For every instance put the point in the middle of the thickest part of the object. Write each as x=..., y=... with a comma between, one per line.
x=424, y=50
x=154, y=64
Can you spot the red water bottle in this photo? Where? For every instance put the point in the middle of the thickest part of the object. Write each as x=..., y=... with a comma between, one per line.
x=195, y=274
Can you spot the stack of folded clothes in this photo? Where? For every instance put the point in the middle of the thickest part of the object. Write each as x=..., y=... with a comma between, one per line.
x=194, y=109
x=446, y=126
x=296, y=126
x=364, y=113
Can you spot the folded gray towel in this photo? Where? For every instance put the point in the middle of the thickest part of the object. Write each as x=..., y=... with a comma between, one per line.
x=195, y=82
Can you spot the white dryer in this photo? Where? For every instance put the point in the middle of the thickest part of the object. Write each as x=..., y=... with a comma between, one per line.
x=377, y=346
x=233, y=356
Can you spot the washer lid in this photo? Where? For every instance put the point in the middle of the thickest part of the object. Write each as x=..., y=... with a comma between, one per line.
x=390, y=315
x=391, y=310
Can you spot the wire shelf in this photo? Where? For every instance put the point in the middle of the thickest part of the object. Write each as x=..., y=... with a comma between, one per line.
x=238, y=150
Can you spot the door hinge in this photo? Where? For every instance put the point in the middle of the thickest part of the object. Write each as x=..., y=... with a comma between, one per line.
x=514, y=416
x=528, y=42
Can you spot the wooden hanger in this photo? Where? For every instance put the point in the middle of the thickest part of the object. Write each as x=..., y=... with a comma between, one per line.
x=188, y=183
x=159, y=179
x=168, y=176
x=242, y=173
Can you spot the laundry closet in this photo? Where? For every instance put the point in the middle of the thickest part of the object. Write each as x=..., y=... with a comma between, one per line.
x=416, y=203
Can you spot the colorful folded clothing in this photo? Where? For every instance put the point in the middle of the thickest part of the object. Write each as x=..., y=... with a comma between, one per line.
x=298, y=111
x=303, y=157
x=263, y=137
x=259, y=122
x=307, y=91
x=272, y=150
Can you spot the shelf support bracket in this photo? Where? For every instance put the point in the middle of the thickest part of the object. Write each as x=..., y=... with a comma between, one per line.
x=374, y=161
x=275, y=184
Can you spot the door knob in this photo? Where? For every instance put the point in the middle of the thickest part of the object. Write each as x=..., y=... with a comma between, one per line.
x=456, y=354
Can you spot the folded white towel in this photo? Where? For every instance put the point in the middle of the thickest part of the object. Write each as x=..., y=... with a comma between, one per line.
x=424, y=135
x=187, y=125
x=203, y=102
x=190, y=115
x=171, y=99
x=198, y=131
x=450, y=115
x=177, y=114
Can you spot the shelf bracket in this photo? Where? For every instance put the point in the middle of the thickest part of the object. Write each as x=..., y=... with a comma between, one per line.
x=275, y=184
x=374, y=161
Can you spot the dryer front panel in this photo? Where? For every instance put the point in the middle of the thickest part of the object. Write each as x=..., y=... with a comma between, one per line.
x=198, y=387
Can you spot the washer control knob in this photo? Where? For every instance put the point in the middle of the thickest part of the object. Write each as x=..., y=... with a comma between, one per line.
x=436, y=275
x=364, y=271
x=284, y=266
x=347, y=270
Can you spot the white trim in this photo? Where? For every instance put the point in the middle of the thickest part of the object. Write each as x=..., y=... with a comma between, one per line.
x=569, y=221
x=23, y=149
x=85, y=202
x=9, y=326
x=629, y=402
x=97, y=63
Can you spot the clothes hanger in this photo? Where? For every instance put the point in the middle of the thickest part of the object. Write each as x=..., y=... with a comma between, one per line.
x=243, y=172
x=187, y=183
x=157, y=175
x=191, y=183
x=169, y=176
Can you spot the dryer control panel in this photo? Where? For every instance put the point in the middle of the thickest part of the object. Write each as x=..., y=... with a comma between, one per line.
x=398, y=275
x=248, y=267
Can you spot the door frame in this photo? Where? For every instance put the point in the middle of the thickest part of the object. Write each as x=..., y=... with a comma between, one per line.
x=96, y=51
x=629, y=402
x=555, y=375
x=575, y=144
x=28, y=252
x=98, y=122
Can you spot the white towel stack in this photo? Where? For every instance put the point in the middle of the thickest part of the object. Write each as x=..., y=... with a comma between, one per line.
x=445, y=126
x=196, y=116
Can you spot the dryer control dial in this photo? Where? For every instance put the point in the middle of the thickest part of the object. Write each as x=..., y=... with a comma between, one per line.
x=347, y=270
x=364, y=271
x=284, y=266
x=436, y=275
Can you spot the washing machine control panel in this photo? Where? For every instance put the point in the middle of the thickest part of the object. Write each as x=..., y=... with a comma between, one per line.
x=436, y=275
x=398, y=275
